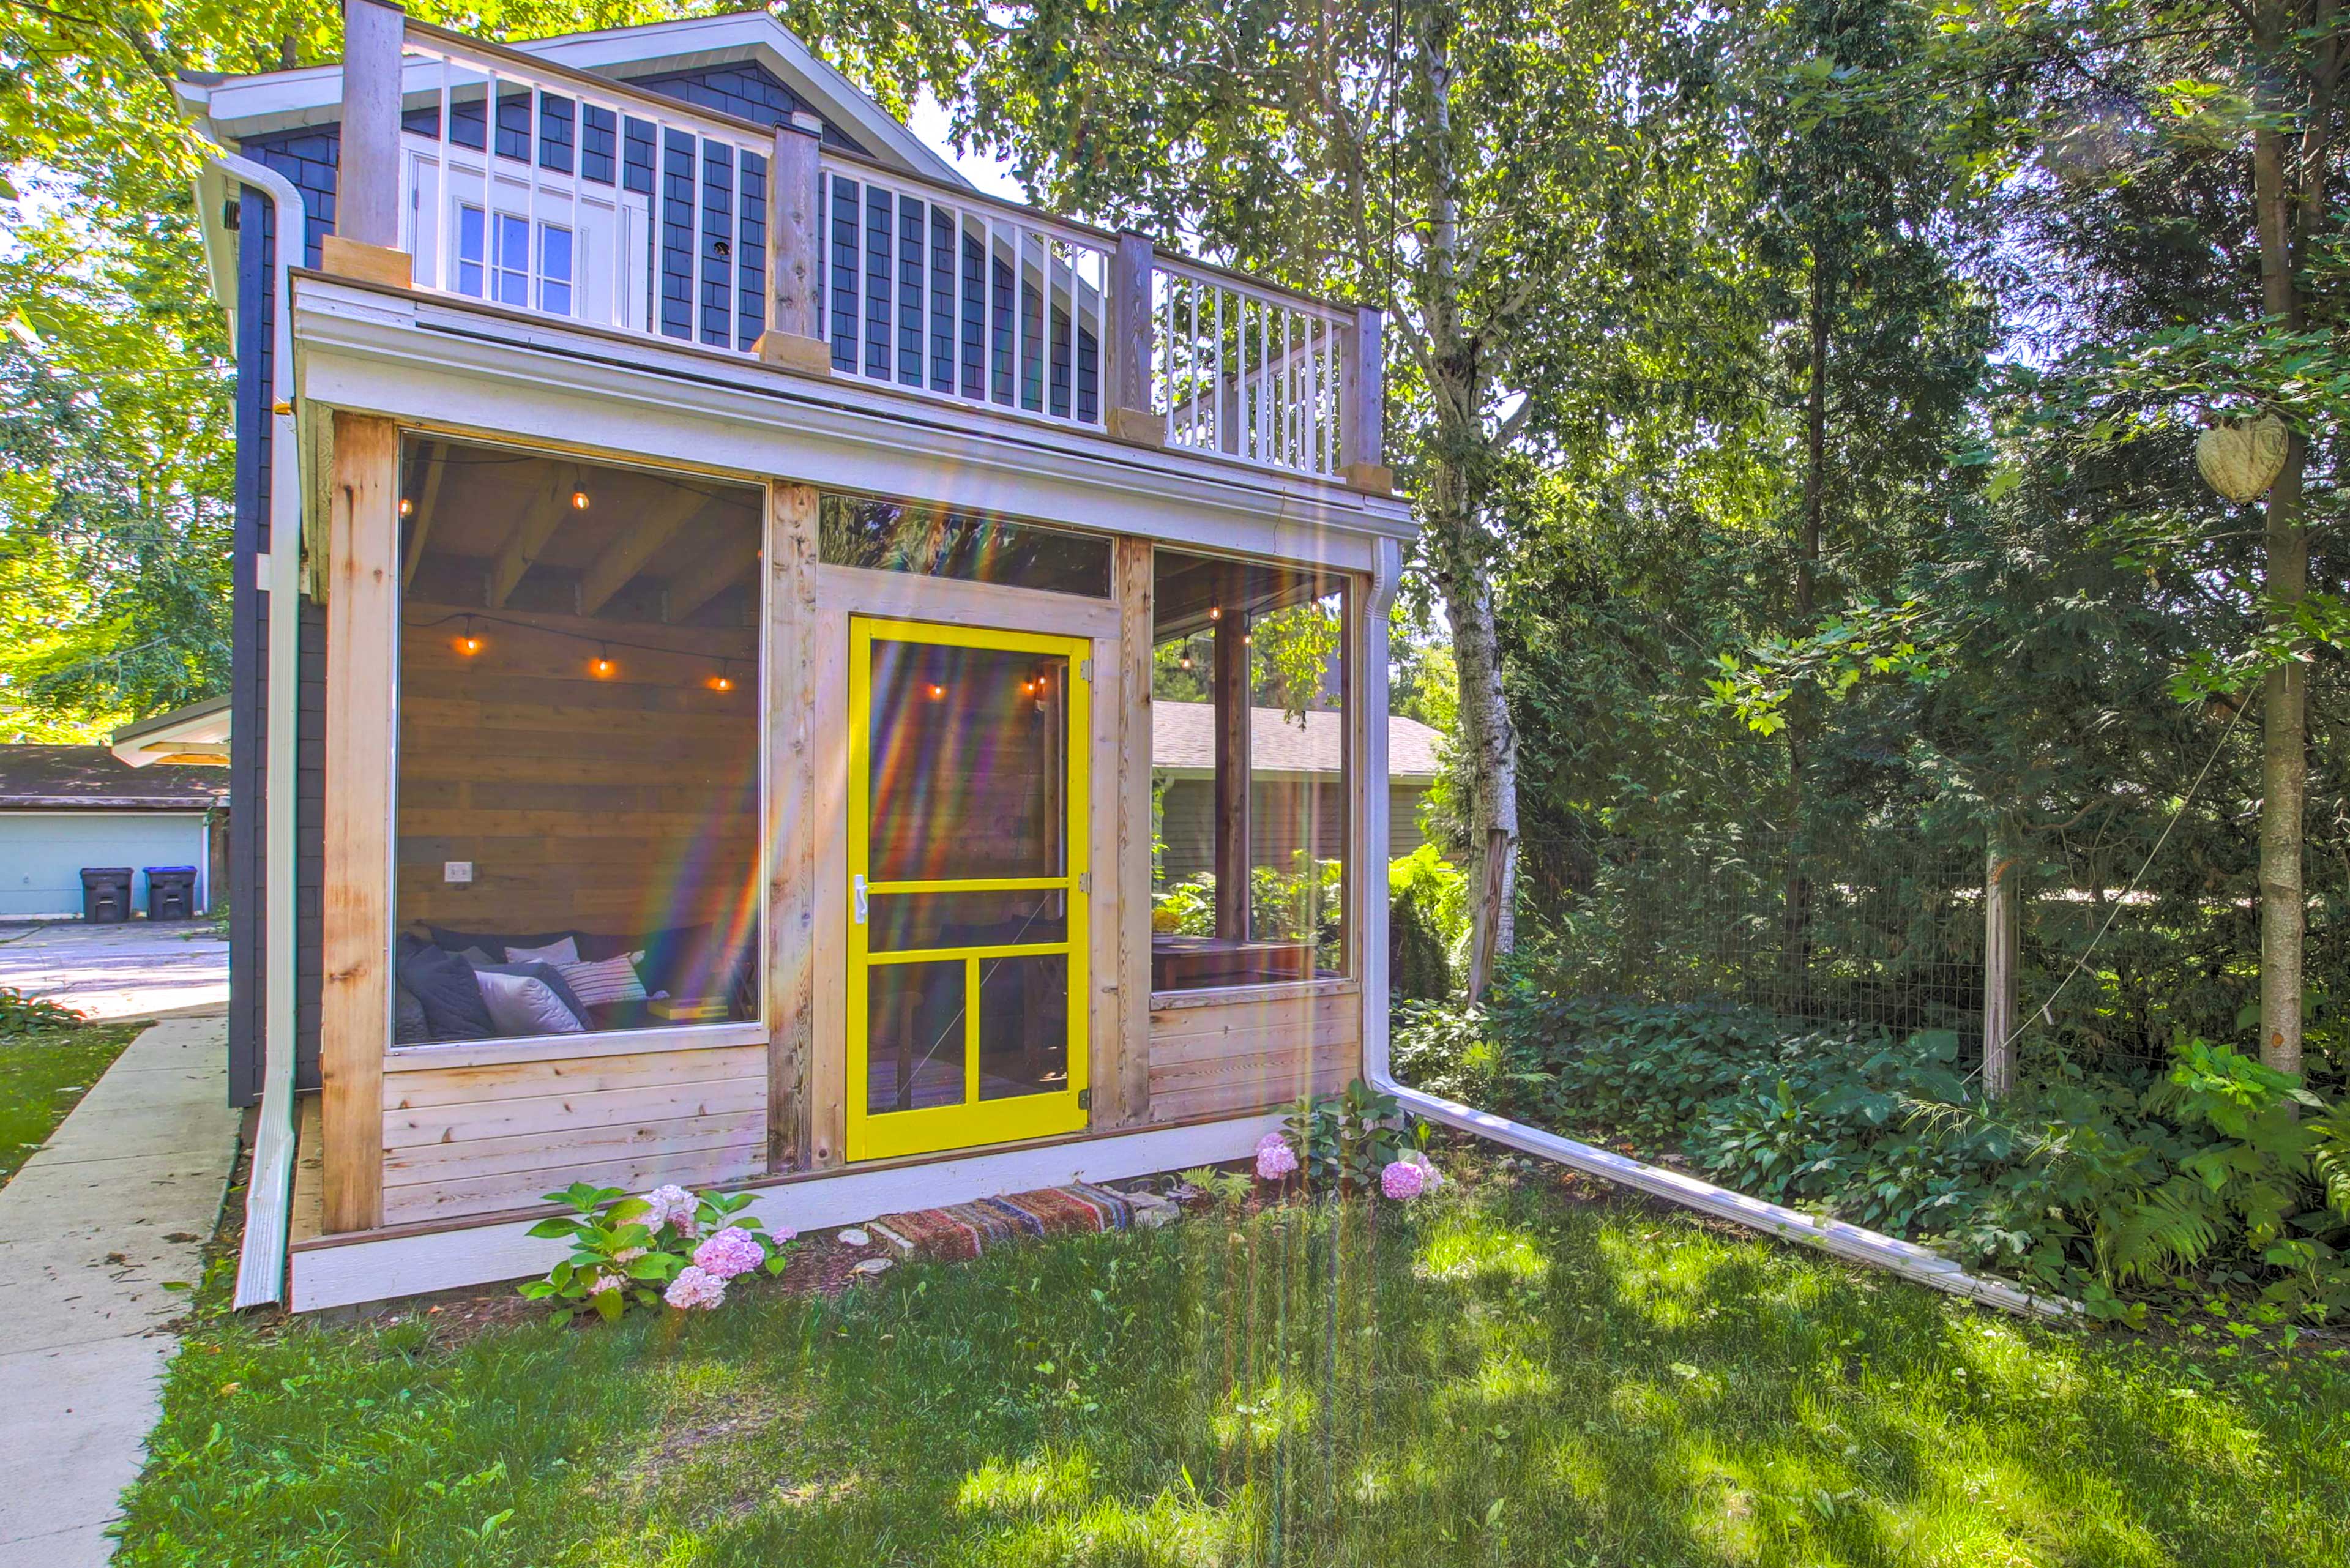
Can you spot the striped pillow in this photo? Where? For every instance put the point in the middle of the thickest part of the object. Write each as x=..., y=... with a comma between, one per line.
x=607, y=979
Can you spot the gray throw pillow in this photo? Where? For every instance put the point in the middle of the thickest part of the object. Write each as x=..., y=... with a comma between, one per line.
x=519, y=1004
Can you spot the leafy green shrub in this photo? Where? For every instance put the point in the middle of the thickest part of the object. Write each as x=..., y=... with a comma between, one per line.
x=625, y=1249
x=18, y=1011
x=1427, y=922
x=2217, y=1180
x=1345, y=1140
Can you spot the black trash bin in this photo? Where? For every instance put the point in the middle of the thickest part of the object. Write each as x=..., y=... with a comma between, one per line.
x=105, y=894
x=170, y=892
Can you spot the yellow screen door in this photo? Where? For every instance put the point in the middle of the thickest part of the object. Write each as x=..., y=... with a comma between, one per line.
x=967, y=759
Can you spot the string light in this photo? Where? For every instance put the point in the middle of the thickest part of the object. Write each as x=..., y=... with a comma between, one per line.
x=407, y=507
x=937, y=692
x=721, y=682
x=601, y=666
x=579, y=501
x=1215, y=612
x=1186, y=660
x=468, y=644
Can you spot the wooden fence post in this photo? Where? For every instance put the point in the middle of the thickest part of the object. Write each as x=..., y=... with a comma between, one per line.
x=1130, y=415
x=1362, y=404
x=794, y=335
x=365, y=241
x=2002, y=861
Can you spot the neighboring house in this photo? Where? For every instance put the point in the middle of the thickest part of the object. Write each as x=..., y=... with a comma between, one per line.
x=698, y=568
x=66, y=807
x=1295, y=769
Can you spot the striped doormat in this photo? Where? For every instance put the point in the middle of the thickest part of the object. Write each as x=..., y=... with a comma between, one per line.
x=964, y=1231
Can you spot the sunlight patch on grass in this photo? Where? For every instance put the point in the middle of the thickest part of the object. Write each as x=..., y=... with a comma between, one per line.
x=1471, y=1244
x=1038, y=1482
x=1639, y=1402
x=1256, y=1419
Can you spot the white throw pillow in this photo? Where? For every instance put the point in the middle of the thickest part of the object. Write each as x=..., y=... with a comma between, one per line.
x=558, y=953
x=521, y=1005
x=607, y=979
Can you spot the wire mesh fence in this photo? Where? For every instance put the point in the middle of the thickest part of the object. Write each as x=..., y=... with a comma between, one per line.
x=1884, y=929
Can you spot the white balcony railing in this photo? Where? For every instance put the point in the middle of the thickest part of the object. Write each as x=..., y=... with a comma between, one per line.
x=538, y=187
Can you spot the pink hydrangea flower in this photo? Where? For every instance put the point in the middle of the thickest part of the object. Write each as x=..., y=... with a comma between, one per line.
x=695, y=1287
x=732, y=1252
x=1435, y=1178
x=1268, y=1140
x=672, y=1206
x=605, y=1281
x=1402, y=1180
x=628, y=1254
x=1275, y=1159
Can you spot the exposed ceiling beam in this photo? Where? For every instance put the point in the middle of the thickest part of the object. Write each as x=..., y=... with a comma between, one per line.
x=427, y=504
x=625, y=556
x=530, y=537
x=705, y=579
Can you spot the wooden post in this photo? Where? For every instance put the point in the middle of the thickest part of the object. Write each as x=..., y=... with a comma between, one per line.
x=1135, y=585
x=362, y=580
x=1130, y=415
x=1362, y=404
x=365, y=241
x=794, y=335
x=1231, y=684
x=2002, y=861
x=789, y=698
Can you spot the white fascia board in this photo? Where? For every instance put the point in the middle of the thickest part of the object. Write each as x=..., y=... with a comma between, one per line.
x=372, y=1269
x=625, y=52
x=240, y=106
x=467, y=371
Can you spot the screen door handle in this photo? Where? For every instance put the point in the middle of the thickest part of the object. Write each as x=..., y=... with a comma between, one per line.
x=857, y=884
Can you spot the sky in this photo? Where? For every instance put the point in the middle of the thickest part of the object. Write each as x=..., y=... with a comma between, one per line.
x=929, y=121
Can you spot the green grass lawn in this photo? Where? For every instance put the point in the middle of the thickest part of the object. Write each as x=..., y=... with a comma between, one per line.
x=45, y=1070
x=1501, y=1376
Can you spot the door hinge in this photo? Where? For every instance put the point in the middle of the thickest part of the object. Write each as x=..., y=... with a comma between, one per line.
x=1085, y=670
x=1084, y=1099
x=1085, y=881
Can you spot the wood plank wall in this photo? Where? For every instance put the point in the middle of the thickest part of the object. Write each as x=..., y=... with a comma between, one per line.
x=618, y=806
x=1214, y=1057
x=486, y=1135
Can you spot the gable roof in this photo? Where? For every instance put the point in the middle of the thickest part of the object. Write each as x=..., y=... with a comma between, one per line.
x=183, y=734
x=70, y=778
x=1183, y=740
x=245, y=106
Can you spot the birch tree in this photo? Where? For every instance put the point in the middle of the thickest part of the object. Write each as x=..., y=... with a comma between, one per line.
x=1496, y=176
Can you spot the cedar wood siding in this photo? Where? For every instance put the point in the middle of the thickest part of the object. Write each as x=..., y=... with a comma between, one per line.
x=307, y=159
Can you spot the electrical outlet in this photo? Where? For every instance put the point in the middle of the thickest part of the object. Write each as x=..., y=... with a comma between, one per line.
x=456, y=870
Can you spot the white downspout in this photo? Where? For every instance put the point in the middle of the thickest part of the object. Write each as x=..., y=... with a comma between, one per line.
x=269, y=1195
x=1904, y=1258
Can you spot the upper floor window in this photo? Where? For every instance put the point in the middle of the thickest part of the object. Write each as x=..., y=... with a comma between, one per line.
x=493, y=249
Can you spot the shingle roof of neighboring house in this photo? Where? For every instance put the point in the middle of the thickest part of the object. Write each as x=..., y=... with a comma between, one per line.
x=1183, y=738
x=65, y=778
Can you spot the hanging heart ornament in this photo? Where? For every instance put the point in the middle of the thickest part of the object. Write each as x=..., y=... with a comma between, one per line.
x=2241, y=458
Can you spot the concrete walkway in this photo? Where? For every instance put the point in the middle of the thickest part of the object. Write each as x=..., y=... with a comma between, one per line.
x=119, y=1201
x=130, y=971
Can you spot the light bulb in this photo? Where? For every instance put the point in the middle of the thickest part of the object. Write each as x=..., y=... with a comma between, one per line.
x=601, y=666
x=721, y=684
x=937, y=692
x=579, y=501
x=407, y=507
x=469, y=645
x=1215, y=612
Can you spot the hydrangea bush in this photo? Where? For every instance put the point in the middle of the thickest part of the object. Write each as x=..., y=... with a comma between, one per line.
x=669, y=1244
x=1357, y=1141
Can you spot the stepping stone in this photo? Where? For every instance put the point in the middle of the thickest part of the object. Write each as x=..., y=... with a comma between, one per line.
x=853, y=1237
x=874, y=1265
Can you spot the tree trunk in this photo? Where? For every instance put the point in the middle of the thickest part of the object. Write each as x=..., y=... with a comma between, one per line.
x=2002, y=861
x=2284, y=763
x=1488, y=755
x=1795, y=918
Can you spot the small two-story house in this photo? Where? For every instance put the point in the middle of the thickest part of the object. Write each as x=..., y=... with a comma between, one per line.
x=704, y=570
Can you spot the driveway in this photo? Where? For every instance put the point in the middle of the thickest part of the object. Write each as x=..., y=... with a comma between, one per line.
x=128, y=970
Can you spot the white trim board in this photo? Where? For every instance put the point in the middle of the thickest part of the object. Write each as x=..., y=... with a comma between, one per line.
x=248, y=105
x=348, y=1273
x=461, y=368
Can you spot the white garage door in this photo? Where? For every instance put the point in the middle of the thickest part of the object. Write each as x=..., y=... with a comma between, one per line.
x=42, y=854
